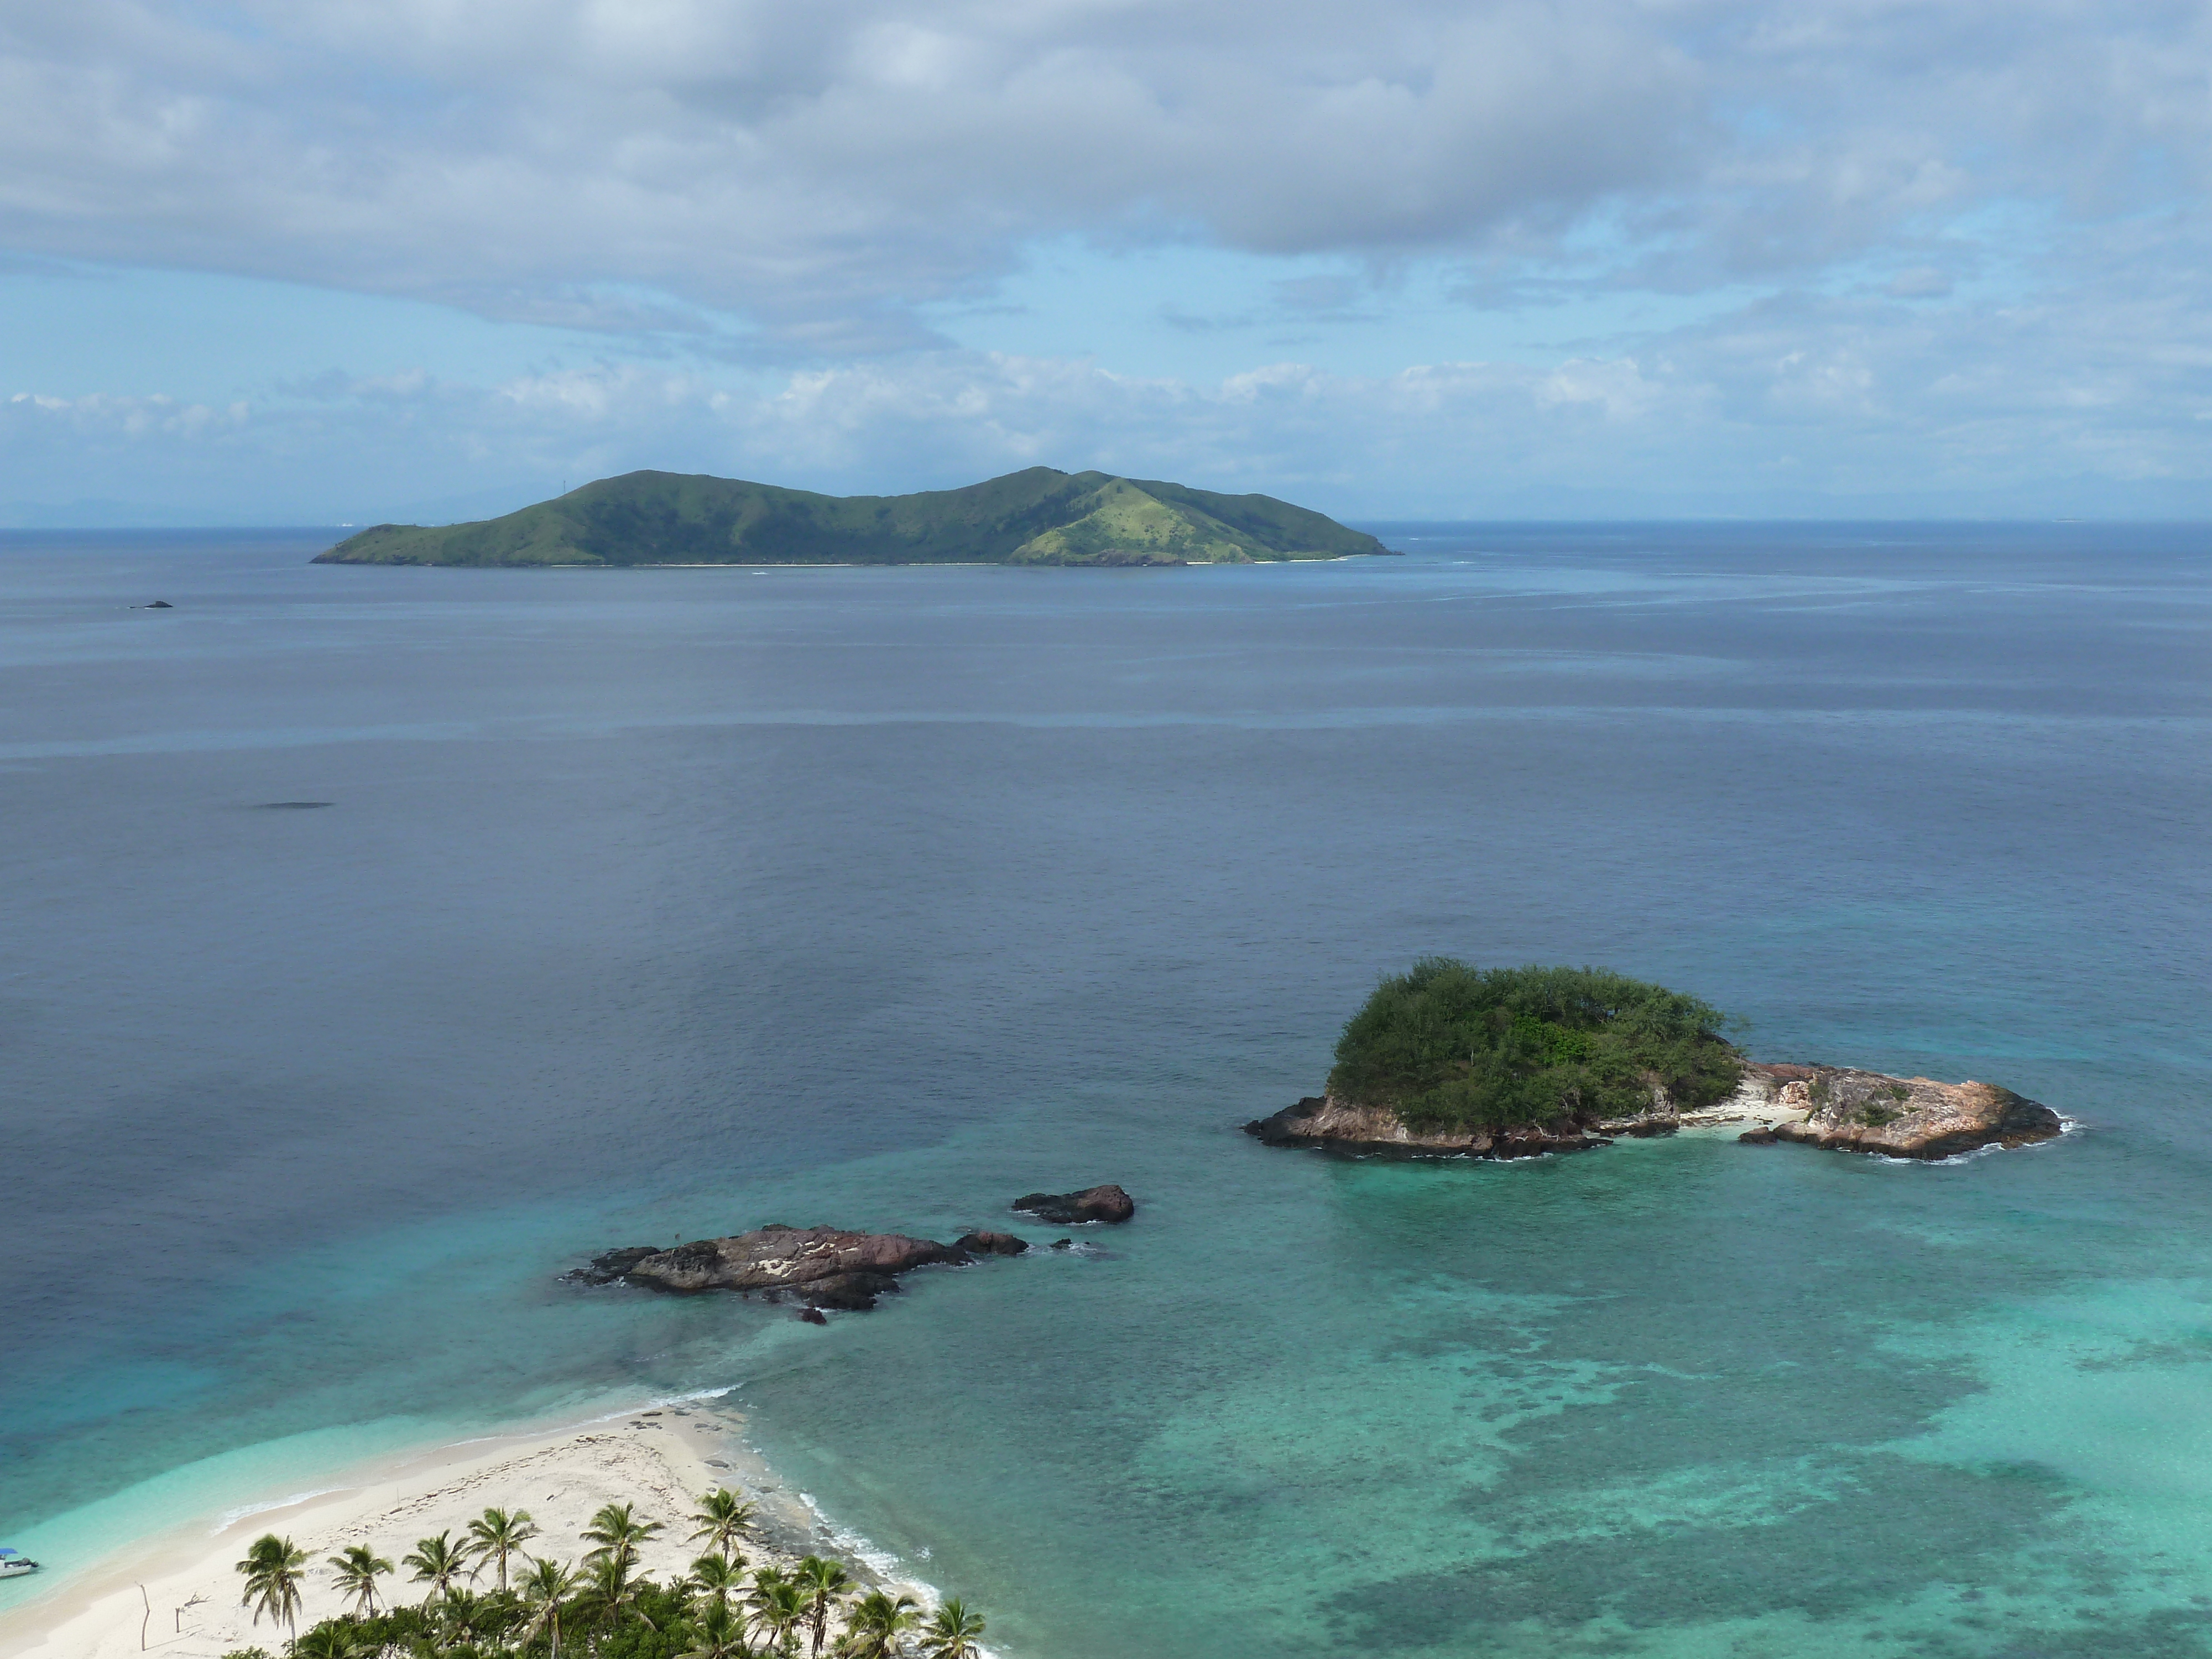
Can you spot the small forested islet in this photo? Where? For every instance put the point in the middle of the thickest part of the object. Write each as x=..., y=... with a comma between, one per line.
x=1447, y=1045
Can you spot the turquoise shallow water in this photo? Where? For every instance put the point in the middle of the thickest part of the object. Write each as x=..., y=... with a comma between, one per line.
x=662, y=904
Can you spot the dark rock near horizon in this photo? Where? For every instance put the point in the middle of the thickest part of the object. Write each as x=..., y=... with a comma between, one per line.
x=1105, y=1204
x=158, y=604
x=824, y=1267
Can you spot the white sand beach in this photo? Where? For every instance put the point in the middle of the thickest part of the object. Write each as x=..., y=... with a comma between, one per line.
x=179, y=1593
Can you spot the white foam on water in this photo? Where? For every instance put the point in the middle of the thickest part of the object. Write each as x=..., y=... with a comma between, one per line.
x=232, y=1517
x=652, y=1403
x=2067, y=1125
x=882, y=1563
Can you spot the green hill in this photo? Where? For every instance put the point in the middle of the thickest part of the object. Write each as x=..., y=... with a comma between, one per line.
x=1040, y=516
x=1448, y=1045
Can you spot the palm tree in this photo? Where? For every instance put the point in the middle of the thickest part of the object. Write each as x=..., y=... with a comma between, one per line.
x=328, y=1641
x=272, y=1569
x=439, y=1563
x=779, y=1606
x=951, y=1634
x=610, y=1588
x=824, y=1583
x=723, y=1517
x=545, y=1587
x=464, y=1615
x=617, y=1532
x=877, y=1622
x=721, y=1576
x=359, y=1567
x=721, y=1634
x=497, y=1538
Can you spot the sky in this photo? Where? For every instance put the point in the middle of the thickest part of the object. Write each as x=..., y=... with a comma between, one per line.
x=320, y=262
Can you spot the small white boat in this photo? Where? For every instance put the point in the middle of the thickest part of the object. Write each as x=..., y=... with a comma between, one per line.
x=14, y=1564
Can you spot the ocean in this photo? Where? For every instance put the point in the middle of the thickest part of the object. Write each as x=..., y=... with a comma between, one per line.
x=375, y=945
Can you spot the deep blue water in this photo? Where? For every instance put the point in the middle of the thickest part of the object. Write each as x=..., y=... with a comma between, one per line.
x=660, y=903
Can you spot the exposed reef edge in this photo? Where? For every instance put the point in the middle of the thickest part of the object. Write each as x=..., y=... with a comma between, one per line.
x=1841, y=1109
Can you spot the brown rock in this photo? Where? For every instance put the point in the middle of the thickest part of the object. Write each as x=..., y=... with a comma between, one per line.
x=1108, y=1203
x=1855, y=1111
x=990, y=1244
x=833, y=1268
x=1336, y=1125
x=1821, y=1105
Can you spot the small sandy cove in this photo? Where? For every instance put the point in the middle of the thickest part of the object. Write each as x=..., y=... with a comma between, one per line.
x=657, y=1459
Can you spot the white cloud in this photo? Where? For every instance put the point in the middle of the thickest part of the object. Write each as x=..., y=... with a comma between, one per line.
x=103, y=414
x=1618, y=387
x=1947, y=252
x=1837, y=406
x=819, y=169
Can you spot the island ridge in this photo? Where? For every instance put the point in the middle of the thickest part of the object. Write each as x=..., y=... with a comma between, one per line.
x=1040, y=516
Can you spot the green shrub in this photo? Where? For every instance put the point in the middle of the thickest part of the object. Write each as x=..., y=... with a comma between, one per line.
x=1448, y=1045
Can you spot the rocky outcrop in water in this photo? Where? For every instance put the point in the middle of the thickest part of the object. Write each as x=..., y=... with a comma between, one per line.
x=1108, y=1203
x=1853, y=1111
x=991, y=1244
x=821, y=1267
x=1323, y=1121
x=1826, y=1106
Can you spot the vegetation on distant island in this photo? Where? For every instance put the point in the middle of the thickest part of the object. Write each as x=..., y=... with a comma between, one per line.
x=599, y=1608
x=1448, y=1045
x=1038, y=516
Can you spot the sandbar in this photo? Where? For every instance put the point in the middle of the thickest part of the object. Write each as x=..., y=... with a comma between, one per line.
x=179, y=1590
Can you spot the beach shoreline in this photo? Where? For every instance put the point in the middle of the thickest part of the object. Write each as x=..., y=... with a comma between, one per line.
x=177, y=1592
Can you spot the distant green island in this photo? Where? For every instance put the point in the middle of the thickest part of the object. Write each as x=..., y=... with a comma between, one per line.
x=1039, y=516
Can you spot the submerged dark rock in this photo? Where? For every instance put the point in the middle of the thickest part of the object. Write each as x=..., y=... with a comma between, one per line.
x=1108, y=1204
x=158, y=604
x=990, y=1244
x=848, y=1292
x=610, y=1265
x=824, y=1267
